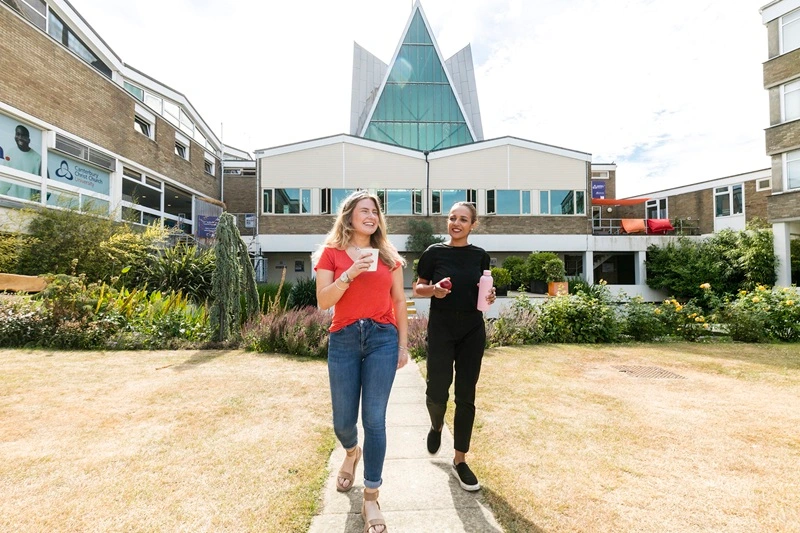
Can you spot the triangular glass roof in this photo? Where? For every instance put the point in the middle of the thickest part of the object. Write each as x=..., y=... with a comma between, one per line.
x=417, y=107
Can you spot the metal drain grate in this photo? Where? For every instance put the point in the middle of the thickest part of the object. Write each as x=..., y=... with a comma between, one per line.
x=648, y=372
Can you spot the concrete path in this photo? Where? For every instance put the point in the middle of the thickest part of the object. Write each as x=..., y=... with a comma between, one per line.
x=419, y=492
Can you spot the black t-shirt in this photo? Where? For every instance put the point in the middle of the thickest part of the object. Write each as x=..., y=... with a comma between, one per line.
x=464, y=265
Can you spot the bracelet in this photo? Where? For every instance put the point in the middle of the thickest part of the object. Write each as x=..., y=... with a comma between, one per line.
x=335, y=284
x=403, y=348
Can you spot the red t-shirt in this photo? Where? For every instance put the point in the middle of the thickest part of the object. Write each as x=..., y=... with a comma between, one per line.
x=369, y=294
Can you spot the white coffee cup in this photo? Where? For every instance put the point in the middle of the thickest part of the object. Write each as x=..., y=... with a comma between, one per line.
x=374, y=252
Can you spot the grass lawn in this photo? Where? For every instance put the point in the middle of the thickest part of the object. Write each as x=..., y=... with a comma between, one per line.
x=565, y=441
x=161, y=441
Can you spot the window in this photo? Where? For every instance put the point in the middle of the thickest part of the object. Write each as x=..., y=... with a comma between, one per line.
x=287, y=201
x=181, y=151
x=763, y=184
x=33, y=10
x=330, y=199
x=508, y=202
x=560, y=202
x=142, y=126
x=139, y=193
x=728, y=201
x=656, y=208
x=790, y=101
x=64, y=35
x=137, y=92
x=790, y=31
x=792, y=170
x=600, y=174
x=208, y=165
x=443, y=199
x=400, y=201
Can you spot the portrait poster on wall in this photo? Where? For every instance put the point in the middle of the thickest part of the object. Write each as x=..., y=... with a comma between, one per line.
x=19, y=146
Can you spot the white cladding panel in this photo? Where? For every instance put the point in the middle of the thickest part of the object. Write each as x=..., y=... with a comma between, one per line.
x=508, y=167
x=315, y=167
x=371, y=168
x=471, y=170
x=532, y=169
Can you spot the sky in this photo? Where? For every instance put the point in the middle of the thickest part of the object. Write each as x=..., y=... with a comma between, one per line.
x=669, y=90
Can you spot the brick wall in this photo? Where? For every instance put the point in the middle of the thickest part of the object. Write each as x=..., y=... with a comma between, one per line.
x=783, y=137
x=487, y=225
x=783, y=206
x=781, y=69
x=45, y=80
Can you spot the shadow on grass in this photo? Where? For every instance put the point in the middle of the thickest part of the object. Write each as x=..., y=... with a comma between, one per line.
x=198, y=358
x=466, y=504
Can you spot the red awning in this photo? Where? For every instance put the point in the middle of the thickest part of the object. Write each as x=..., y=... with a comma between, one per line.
x=612, y=201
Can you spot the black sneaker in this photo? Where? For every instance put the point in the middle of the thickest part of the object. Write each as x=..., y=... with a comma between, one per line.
x=434, y=441
x=466, y=478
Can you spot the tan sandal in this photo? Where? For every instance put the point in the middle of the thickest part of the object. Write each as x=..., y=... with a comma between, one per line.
x=348, y=476
x=368, y=524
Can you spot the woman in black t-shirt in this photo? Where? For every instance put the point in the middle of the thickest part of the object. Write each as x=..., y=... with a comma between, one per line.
x=456, y=332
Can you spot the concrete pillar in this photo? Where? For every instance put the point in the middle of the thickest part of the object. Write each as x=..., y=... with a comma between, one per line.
x=782, y=249
x=641, y=271
x=588, y=267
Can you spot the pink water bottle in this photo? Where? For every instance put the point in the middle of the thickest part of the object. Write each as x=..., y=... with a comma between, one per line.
x=484, y=288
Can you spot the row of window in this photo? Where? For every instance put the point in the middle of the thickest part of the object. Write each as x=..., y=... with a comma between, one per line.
x=146, y=126
x=297, y=201
x=790, y=31
x=145, y=200
x=171, y=111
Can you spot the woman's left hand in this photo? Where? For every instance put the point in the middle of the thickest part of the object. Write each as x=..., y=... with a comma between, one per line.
x=492, y=296
x=402, y=358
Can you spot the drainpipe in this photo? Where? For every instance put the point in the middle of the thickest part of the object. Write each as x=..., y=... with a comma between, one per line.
x=427, y=184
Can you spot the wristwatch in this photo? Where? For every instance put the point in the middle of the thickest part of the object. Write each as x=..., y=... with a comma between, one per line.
x=344, y=278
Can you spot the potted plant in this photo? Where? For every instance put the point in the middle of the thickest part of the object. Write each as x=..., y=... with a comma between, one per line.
x=557, y=284
x=502, y=279
x=535, y=267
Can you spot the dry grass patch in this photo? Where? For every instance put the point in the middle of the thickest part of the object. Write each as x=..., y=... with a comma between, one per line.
x=161, y=441
x=564, y=441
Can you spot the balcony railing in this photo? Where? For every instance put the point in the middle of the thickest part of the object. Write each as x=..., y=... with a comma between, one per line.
x=631, y=226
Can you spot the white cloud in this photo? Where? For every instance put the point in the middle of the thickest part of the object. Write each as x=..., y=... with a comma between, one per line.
x=671, y=90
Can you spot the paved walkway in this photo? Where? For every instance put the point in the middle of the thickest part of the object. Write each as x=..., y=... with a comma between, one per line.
x=419, y=492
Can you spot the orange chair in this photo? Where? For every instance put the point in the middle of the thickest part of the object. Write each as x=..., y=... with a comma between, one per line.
x=633, y=225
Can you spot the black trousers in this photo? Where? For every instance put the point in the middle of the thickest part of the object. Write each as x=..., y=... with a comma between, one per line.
x=455, y=342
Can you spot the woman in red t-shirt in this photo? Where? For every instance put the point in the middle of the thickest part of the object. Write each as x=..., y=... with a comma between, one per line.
x=367, y=340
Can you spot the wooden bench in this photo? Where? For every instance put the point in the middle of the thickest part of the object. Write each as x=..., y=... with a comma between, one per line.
x=411, y=309
x=20, y=283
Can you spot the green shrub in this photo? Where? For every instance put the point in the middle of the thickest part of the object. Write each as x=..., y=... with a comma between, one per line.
x=640, y=321
x=579, y=318
x=501, y=277
x=303, y=294
x=418, y=337
x=518, y=270
x=302, y=331
x=268, y=292
x=187, y=269
x=554, y=270
x=685, y=320
x=728, y=260
x=534, y=265
x=516, y=324
x=24, y=322
x=775, y=314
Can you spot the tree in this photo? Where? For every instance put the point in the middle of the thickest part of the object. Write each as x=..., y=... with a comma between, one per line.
x=233, y=278
x=421, y=236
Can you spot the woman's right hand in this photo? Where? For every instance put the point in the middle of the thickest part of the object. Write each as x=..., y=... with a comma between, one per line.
x=439, y=291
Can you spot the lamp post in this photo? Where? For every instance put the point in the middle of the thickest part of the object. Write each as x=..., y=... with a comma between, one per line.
x=427, y=184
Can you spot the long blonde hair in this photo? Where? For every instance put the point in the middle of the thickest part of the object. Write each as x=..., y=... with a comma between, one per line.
x=342, y=231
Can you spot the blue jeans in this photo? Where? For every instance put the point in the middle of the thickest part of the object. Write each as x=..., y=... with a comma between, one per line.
x=362, y=362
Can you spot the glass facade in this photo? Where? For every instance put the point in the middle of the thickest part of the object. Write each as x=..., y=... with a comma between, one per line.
x=417, y=108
